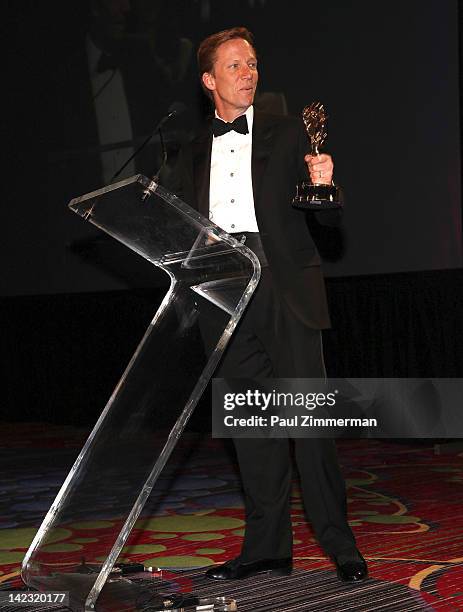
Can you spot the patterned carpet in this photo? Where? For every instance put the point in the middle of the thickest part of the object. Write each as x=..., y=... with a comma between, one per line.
x=405, y=506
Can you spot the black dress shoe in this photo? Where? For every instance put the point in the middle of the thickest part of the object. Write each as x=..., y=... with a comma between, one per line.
x=350, y=566
x=235, y=570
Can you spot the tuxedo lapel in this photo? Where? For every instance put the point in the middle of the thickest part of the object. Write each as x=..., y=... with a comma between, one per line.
x=263, y=131
x=202, y=147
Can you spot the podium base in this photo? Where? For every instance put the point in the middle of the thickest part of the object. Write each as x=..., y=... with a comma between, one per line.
x=142, y=591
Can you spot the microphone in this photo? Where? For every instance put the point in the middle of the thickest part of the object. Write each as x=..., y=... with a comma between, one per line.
x=174, y=109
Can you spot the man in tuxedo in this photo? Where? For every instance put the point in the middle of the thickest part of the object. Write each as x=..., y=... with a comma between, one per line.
x=241, y=172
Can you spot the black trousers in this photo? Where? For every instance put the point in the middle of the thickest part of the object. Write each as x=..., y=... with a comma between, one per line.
x=271, y=342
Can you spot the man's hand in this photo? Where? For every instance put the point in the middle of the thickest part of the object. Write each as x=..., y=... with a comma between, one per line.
x=320, y=168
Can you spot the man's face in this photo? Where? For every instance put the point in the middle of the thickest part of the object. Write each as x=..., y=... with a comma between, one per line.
x=233, y=80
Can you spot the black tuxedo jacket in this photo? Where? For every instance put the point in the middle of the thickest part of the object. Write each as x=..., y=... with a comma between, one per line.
x=279, y=144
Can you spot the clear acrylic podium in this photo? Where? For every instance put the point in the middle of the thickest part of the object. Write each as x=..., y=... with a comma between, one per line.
x=212, y=278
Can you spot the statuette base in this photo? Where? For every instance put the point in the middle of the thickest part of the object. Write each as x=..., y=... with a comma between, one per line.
x=318, y=196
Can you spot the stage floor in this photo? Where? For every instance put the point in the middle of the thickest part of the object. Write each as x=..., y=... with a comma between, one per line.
x=405, y=506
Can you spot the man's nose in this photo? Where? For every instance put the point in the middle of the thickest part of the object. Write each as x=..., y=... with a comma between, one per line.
x=246, y=72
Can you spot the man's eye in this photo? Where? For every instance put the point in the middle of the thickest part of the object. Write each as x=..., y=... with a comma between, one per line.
x=252, y=65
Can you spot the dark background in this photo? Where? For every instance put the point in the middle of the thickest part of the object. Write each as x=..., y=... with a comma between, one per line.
x=75, y=306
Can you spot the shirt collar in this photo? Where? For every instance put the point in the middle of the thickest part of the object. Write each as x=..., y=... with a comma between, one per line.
x=249, y=117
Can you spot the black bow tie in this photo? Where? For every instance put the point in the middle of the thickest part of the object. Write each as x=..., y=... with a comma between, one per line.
x=240, y=125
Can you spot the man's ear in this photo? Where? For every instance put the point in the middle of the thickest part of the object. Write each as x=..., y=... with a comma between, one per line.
x=208, y=81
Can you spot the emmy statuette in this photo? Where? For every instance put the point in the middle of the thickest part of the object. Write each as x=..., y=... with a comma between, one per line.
x=316, y=196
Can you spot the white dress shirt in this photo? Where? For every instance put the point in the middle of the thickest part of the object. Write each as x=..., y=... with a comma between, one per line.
x=231, y=199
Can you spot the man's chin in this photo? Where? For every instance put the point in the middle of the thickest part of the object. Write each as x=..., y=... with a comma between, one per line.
x=248, y=98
